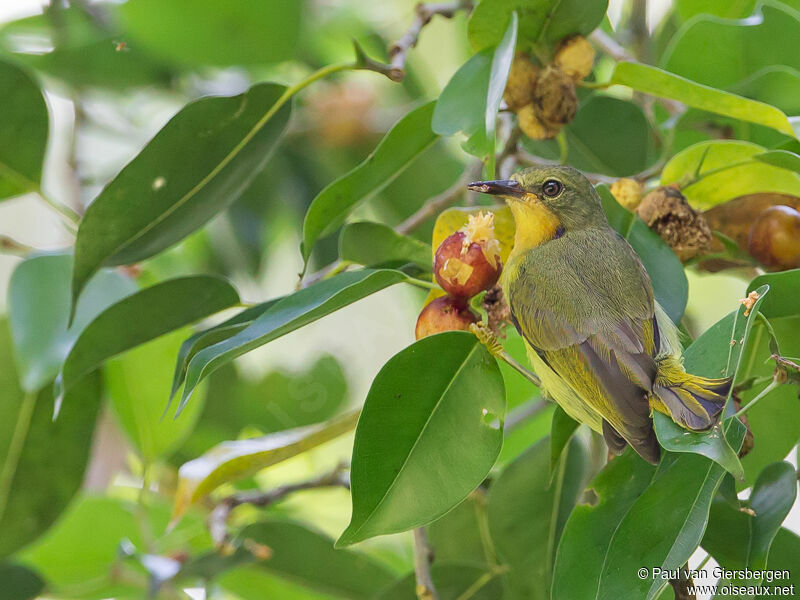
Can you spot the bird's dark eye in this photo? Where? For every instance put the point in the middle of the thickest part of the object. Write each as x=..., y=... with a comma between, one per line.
x=552, y=188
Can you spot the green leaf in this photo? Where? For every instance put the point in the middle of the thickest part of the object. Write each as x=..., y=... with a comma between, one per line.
x=712, y=443
x=780, y=158
x=713, y=172
x=784, y=291
x=471, y=99
x=290, y=313
x=591, y=528
x=749, y=46
x=23, y=132
x=665, y=269
x=654, y=81
x=368, y=243
x=560, y=433
x=196, y=166
x=253, y=583
x=453, y=581
x=527, y=514
x=461, y=534
x=39, y=299
x=142, y=317
x=230, y=461
x=42, y=461
x=721, y=8
x=405, y=141
x=306, y=557
x=430, y=430
x=204, y=32
x=738, y=539
x=19, y=583
x=539, y=20
x=608, y=135
x=137, y=383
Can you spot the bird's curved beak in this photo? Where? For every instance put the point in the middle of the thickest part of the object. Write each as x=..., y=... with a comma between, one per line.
x=499, y=187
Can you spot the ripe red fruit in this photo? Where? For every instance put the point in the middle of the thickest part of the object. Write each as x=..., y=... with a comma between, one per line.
x=445, y=314
x=774, y=238
x=468, y=261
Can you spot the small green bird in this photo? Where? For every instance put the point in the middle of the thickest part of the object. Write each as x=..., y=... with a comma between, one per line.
x=602, y=346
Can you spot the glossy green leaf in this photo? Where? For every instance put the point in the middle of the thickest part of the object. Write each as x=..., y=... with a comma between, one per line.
x=142, y=317
x=19, y=583
x=42, y=461
x=453, y=581
x=654, y=81
x=712, y=443
x=460, y=535
x=196, y=166
x=23, y=132
x=39, y=299
x=721, y=8
x=784, y=291
x=607, y=135
x=780, y=158
x=230, y=461
x=306, y=557
x=749, y=46
x=471, y=99
x=208, y=337
x=253, y=583
x=368, y=243
x=713, y=172
x=665, y=269
x=137, y=383
x=205, y=32
x=290, y=313
x=405, y=141
x=424, y=442
x=737, y=539
x=539, y=20
x=561, y=430
x=527, y=514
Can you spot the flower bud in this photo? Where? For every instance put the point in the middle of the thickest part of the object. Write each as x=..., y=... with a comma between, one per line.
x=468, y=261
x=532, y=126
x=554, y=97
x=521, y=81
x=445, y=313
x=575, y=57
x=774, y=238
x=628, y=192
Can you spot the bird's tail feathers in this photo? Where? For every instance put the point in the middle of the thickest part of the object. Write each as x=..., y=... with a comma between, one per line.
x=692, y=401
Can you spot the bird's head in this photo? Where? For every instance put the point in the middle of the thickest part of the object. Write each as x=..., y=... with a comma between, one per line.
x=547, y=202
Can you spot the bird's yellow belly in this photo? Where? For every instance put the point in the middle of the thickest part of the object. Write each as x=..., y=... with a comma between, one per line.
x=559, y=390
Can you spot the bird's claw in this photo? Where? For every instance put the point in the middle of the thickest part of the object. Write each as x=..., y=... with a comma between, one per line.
x=487, y=338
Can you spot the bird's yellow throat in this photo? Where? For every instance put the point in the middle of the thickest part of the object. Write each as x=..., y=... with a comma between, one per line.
x=535, y=223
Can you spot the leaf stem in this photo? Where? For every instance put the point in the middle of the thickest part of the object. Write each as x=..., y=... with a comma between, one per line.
x=773, y=384
x=15, y=447
x=62, y=209
x=563, y=147
x=428, y=285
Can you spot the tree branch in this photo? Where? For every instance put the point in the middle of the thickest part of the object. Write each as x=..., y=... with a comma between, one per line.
x=423, y=557
x=218, y=519
x=424, y=13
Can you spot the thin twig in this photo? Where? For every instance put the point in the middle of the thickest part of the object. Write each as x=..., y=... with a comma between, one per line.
x=9, y=245
x=423, y=557
x=423, y=15
x=218, y=519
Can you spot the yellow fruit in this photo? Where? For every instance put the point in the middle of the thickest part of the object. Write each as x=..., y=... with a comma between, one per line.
x=554, y=97
x=575, y=57
x=521, y=81
x=532, y=126
x=628, y=192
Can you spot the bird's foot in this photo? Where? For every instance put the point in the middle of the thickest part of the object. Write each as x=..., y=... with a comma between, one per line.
x=487, y=338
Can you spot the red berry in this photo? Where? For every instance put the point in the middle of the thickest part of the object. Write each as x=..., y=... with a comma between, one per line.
x=445, y=314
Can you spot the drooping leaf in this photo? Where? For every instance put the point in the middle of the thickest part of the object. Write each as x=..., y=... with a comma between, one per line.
x=230, y=461
x=204, y=32
x=368, y=244
x=197, y=165
x=527, y=514
x=780, y=158
x=290, y=313
x=710, y=173
x=561, y=431
x=471, y=99
x=425, y=441
x=453, y=581
x=402, y=144
x=142, y=317
x=19, y=583
x=665, y=269
x=713, y=443
x=42, y=461
x=39, y=299
x=539, y=20
x=664, y=84
x=23, y=132
x=138, y=382
x=784, y=291
x=460, y=535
